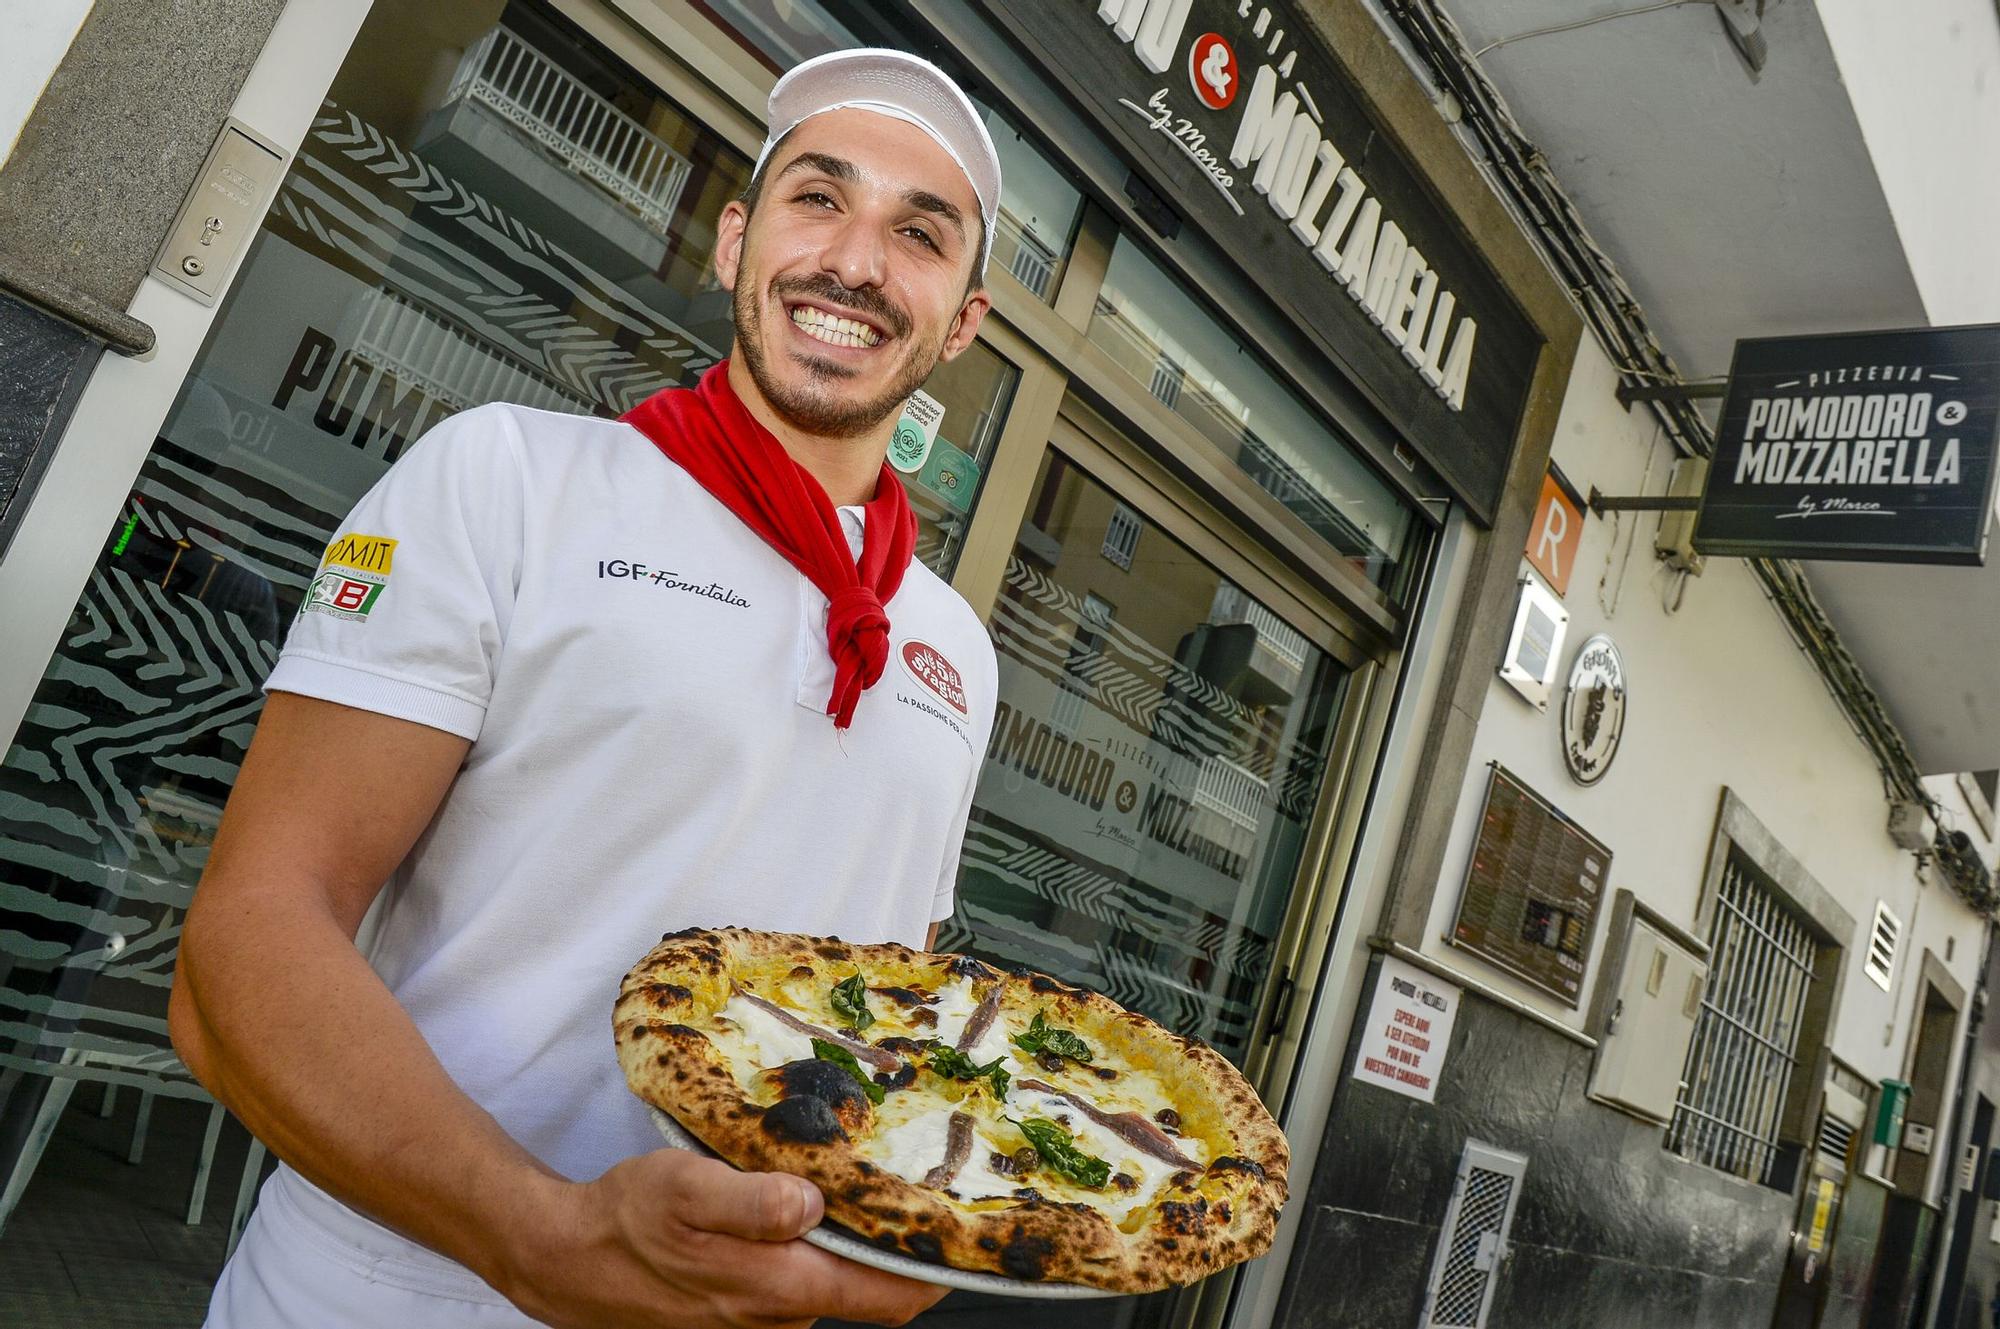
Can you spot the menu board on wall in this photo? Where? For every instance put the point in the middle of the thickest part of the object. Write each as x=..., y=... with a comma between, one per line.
x=1531, y=894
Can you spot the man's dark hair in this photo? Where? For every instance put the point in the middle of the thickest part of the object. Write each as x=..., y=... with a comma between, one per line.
x=754, y=191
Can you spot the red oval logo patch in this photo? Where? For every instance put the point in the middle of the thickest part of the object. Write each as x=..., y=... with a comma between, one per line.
x=928, y=666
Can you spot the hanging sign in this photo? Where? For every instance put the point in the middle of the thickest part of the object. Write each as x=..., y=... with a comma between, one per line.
x=1875, y=446
x=1241, y=117
x=1408, y=1032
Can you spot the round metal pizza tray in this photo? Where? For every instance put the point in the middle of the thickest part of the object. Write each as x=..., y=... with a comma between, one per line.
x=838, y=1240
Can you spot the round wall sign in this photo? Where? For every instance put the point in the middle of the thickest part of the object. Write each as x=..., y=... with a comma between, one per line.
x=1593, y=713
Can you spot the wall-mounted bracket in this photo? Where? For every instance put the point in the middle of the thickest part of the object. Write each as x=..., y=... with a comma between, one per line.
x=1601, y=503
x=1627, y=393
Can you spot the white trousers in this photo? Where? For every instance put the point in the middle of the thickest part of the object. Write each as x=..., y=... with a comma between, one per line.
x=307, y=1261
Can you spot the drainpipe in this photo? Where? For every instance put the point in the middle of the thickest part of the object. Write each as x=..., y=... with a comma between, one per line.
x=1939, y=1253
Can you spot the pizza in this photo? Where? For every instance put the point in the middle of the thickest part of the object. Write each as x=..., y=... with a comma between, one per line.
x=986, y=1120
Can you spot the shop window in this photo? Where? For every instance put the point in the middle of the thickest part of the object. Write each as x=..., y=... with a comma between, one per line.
x=1749, y=1094
x=1040, y=206
x=1199, y=369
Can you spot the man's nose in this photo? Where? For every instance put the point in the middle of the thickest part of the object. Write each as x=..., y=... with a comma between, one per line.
x=855, y=253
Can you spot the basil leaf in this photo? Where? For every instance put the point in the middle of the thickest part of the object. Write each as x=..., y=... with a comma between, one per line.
x=1044, y=1037
x=952, y=1064
x=850, y=1003
x=844, y=1059
x=1058, y=1149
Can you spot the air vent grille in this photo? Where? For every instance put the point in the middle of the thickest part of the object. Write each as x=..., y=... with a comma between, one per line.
x=1882, y=940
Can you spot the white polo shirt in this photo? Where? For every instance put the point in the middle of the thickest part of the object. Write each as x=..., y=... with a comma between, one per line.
x=645, y=684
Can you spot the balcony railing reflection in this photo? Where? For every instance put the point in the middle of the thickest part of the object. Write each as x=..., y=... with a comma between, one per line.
x=593, y=137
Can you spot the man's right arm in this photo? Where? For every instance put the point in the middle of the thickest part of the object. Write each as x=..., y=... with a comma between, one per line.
x=279, y=1015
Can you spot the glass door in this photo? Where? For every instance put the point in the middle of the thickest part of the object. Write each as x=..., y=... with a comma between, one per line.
x=1160, y=747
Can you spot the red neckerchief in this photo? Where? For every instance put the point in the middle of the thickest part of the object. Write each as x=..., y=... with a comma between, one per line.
x=713, y=437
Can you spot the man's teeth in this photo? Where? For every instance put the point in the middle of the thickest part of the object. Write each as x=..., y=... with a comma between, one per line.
x=822, y=326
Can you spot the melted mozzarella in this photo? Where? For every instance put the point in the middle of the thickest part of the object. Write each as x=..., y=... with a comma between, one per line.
x=759, y=1040
x=955, y=1005
x=911, y=1148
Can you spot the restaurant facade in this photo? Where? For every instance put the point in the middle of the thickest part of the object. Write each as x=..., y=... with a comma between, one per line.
x=1238, y=474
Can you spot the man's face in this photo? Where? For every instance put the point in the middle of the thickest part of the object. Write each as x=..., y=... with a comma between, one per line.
x=849, y=281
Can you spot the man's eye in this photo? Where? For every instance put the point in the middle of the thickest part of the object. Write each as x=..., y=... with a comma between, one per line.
x=815, y=198
x=919, y=233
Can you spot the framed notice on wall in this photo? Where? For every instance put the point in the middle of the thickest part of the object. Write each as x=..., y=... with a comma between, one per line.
x=1532, y=890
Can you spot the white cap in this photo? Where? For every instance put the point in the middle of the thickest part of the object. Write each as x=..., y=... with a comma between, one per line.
x=904, y=87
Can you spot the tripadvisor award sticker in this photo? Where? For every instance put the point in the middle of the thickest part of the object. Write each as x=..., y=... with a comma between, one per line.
x=910, y=445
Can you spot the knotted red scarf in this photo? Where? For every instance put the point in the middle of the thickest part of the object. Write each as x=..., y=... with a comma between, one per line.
x=715, y=439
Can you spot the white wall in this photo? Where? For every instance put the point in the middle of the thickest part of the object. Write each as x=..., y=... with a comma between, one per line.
x=127, y=399
x=1924, y=76
x=38, y=36
x=1718, y=696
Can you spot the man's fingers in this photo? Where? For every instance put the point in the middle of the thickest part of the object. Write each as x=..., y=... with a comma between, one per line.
x=760, y=1206
x=823, y=1284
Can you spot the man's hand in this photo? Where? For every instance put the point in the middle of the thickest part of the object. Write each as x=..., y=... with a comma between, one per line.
x=670, y=1238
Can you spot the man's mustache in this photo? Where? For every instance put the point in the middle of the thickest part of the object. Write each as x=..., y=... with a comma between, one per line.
x=866, y=301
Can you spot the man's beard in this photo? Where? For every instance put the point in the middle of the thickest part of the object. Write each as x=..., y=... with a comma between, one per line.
x=818, y=406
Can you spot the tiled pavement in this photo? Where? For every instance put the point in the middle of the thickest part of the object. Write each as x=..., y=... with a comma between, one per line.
x=98, y=1243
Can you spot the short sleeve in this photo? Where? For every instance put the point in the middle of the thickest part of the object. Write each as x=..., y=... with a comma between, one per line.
x=409, y=608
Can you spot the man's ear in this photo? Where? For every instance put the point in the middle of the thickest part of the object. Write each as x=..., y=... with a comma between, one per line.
x=966, y=326
x=729, y=232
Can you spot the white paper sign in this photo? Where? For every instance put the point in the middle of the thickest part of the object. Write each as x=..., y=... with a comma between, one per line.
x=910, y=445
x=1408, y=1031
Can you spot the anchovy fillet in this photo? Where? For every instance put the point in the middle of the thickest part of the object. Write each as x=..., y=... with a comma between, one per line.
x=1134, y=1129
x=874, y=1056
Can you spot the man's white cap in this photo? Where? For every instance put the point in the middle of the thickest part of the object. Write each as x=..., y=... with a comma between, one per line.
x=905, y=87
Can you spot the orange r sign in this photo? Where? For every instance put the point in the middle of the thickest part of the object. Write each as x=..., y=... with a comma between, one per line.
x=1557, y=532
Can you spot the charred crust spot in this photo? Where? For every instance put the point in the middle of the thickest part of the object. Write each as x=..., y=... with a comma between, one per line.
x=830, y=949
x=802, y=971
x=904, y=996
x=682, y=934
x=989, y=1244
x=1043, y=983
x=865, y=1168
x=964, y=966
x=888, y=1241
x=1169, y=1244
x=1221, y=1211
x=1231, y=1163
x=1104, y=1072
x=902, y=1047
x=822, y=1080
x=681, y=1031
x=899, y=1078
x=805, y=1119
x=925, y=1246
x=1025, y=1256
x=924, y=1016
x=1184, y=1218
x=1182, y=1180
x=855, y=1194
x=1124, y=1182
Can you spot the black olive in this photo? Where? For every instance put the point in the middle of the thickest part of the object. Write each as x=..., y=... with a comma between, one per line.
x=1168, y=1118
x=1048, y=1061
x=1104, y=1072
x=1001, y=1164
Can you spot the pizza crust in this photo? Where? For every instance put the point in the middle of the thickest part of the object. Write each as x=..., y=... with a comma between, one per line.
x=1199, y=1223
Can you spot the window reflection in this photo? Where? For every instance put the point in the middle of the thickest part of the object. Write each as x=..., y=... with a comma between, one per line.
x=1199, y=369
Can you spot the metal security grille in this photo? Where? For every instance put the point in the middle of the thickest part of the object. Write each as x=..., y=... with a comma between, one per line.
x=1473, y=1240
x=1740, y=1062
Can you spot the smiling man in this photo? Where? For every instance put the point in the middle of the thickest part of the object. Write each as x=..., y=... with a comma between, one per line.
x=562, y=685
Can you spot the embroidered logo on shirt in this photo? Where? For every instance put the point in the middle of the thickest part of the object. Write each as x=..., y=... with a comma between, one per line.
x=927, y=665
x=351, y=577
